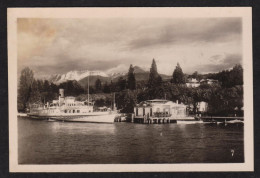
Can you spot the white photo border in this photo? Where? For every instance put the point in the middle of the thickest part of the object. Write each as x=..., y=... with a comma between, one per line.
x=170, y=12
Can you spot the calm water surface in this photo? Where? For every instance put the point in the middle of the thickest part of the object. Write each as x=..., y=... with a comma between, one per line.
x=44, y=142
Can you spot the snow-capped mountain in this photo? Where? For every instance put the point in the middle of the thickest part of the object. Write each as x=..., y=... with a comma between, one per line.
x=119, y=70
x=75, y=75
x=115, y=73
x=80, y=75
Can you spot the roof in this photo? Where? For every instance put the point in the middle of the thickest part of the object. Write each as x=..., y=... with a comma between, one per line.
x=160, y=102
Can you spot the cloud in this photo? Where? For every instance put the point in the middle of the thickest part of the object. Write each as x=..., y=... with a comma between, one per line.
x=228, y=61
x=189, y=31
x=51, y=46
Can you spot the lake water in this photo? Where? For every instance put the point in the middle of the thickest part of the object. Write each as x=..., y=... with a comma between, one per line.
x=45, y=142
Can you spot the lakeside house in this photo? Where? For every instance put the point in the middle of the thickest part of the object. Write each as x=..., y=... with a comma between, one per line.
x=208, y=81
x=201, y=107
x=160, y=108
x=192, y=82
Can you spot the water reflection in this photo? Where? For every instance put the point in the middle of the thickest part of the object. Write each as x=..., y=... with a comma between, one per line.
x=42, y=142
x=82, y=128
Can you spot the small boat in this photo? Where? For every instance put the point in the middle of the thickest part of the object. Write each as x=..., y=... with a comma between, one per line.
x=189, y=122
x=234, y=121
x=22, y=114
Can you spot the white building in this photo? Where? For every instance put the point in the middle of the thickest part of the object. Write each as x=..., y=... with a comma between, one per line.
x=160, y=108
x=192, y=82
x=208, y=81
x=202, y=106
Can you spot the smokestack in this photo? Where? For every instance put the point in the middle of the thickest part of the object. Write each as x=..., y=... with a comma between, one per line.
x=177, y=101
x=61, y=96
x=61, y=93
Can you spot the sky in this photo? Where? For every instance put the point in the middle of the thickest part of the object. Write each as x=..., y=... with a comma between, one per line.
x=57, y=46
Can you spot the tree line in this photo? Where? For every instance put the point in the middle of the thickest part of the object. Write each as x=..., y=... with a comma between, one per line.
x=223, y=98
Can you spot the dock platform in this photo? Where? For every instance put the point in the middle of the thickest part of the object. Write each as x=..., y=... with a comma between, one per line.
x=160, y=120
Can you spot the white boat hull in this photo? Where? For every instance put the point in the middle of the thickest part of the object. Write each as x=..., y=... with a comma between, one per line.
x=102, y=117
x=110, y=118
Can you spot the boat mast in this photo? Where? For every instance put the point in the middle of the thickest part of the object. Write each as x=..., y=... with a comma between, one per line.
x=88, y=89
x=114, y=101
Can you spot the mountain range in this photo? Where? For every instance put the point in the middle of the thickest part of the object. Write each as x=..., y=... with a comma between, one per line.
x=104, y=76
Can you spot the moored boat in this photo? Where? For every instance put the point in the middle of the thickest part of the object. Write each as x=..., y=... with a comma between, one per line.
x=22, y=114
x=68, y=109
x=189, y=122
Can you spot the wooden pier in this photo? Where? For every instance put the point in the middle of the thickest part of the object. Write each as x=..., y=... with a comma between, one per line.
x=153, y=120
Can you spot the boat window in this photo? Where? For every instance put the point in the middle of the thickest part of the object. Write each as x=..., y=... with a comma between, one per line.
x=73, y=111
x=65, y=111
x=78, y=111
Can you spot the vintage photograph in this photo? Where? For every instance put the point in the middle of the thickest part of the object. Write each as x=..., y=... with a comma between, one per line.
x=128, y=89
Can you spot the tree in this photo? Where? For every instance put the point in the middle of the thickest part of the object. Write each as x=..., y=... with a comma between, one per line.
x=106, y=88
x=126, y=101
x=121, y=83
x=35, y=96
x=154, y=78
x=131, y=82
x=178, y=76
x=196, y=75
x=46, y=86
x=26, y=80
x=112, y=86
x=229, y=78
x=72, y=88
x=237, y=75
x=98, y=85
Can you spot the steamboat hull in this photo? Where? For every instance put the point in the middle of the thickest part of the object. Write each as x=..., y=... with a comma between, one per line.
x=94, y=118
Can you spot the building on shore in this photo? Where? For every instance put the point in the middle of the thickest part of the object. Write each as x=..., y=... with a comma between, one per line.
x=160, y=108
x=202, y=106
x=192, y=82
x=208, y=81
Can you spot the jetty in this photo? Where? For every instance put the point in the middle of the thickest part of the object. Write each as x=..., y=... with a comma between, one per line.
x=153, y=120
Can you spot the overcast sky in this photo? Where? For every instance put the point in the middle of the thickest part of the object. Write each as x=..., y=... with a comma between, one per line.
x=50, y=46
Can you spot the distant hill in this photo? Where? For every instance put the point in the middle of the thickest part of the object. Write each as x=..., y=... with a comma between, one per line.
x=82, y=76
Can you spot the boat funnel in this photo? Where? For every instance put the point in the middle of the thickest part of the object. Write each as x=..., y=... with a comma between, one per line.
x=61, y=96
x=61, y=93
